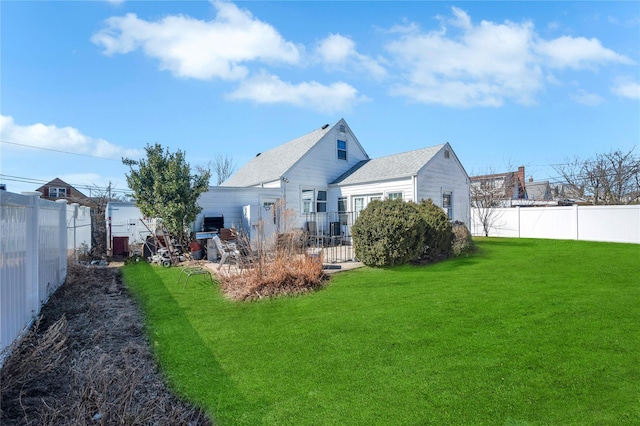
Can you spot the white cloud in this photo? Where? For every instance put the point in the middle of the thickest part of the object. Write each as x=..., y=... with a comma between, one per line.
x=339, y=52
x=336, y=49
x=269, y=89
x=465, y=64
x=627, y=88
x=66, y=139
x=577, y=53
x=586, y=98
x=193, y=48
x=487, y=64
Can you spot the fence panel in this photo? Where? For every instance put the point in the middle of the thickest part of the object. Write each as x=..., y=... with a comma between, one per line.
x=547, y=222
x=15, y=308
x=33, y=259
x=609, y=223
x=589, y=223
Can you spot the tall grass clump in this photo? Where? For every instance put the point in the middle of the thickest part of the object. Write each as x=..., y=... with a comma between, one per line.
x=272, y=268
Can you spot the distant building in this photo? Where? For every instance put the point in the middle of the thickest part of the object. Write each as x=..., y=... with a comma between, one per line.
x=59, y=189
x=538, y=191
x=500, y=188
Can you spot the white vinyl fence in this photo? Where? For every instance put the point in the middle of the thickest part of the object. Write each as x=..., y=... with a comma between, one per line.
x=590, y=223
x=33, y=259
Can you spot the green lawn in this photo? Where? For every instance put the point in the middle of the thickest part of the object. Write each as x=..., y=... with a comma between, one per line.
x=525, y=332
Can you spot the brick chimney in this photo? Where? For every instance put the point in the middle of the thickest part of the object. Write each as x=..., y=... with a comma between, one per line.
x=521, y=190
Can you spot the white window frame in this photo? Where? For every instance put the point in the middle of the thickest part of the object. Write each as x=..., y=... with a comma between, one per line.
x=448, y=206
x=339, y=150
x=342, y=210
x=366, y=199
x=311, y=202
x=58, y=191
x=393, y=195
x=321, y=205
x=306, y=200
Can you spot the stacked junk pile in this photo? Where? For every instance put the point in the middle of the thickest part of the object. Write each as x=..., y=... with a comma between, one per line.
x=162, y=248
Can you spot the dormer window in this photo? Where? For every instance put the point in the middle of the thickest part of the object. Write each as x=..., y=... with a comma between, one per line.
x=342, y=149
x=57, y=192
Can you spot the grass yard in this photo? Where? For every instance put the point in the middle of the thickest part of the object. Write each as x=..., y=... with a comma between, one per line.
x=524, y=332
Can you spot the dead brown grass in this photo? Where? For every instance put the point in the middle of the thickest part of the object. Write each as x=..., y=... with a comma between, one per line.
x=88, y=362
x=285, y=271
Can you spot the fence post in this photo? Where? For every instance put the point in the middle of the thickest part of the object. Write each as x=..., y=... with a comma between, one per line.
x=518, y=216
x=577, y=223
x=32, y=272
x=64, y=246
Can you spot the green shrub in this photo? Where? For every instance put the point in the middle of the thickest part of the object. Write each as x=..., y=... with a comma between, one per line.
x=462, y=243
x=389, y=232
x=437, y=236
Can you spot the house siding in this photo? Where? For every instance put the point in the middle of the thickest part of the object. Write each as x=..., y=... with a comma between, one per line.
x=446, y=175
x=320, y=166
x=404, y=185
x=229, y=202
x=422, y=174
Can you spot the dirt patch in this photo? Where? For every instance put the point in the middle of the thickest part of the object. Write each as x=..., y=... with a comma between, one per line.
x=88, y=361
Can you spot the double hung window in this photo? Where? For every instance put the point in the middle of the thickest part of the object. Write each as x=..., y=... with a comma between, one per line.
x=342, y=210
x=314, y=201
x=342, y=149
x=447, y=204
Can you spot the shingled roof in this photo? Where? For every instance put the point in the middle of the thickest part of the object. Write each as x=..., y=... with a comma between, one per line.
x=389, y=167
x=271, y=165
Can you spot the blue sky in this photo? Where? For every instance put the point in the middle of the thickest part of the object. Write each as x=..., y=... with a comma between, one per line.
x=505, y=83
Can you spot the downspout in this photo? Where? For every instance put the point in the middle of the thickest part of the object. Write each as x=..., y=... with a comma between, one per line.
x=284, y=181
x=469, y=214
x=414, y=179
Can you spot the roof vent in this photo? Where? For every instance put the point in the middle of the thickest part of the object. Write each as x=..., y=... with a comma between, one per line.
x=258, y=154
x=325, y=126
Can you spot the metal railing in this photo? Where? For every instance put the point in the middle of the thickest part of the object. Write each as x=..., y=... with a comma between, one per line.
x=330, y=233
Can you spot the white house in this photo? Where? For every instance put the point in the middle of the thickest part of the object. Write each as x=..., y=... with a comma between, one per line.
x=326, y=175
x=322, y=180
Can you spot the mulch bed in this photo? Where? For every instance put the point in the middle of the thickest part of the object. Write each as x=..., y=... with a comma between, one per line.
x=88, y=361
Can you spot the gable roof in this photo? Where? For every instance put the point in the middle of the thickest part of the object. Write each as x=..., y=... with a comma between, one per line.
x=539, y=190
x=271, y=165
x=59, y=183
x=390, y=167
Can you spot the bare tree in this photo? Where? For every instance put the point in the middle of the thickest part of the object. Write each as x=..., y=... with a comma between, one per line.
x=571, y=173
x=223, y=167
x=486, y=197
x=610, y=178
x=489, y=192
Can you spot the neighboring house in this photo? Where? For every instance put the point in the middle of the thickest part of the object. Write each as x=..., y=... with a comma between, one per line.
x=59, y=189
x=498, y=189
x=326, y=177
x=539, y=190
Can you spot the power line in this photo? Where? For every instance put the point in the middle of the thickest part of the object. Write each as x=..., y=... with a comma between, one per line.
x=57, y=150
x=40, y=182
